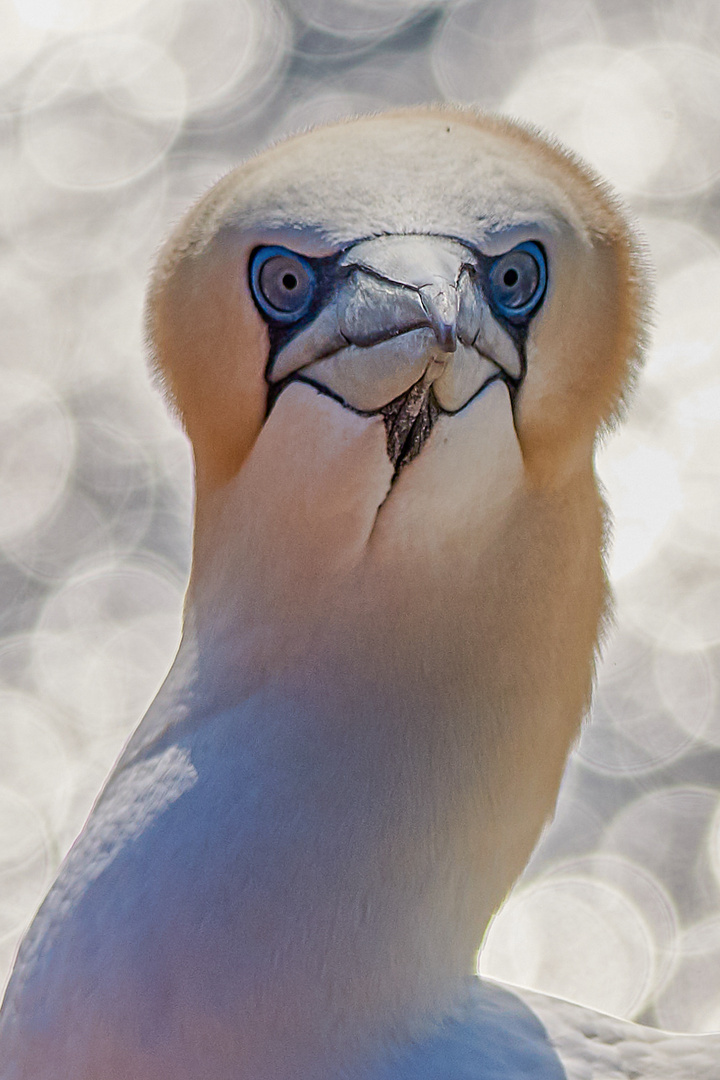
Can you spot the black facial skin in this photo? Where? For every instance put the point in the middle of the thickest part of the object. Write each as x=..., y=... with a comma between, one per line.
x=409, y=418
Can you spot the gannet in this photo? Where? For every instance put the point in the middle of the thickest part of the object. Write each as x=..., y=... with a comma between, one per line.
x=393, y=344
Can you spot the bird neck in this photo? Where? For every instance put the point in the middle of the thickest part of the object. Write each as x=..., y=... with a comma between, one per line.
x=394, y=717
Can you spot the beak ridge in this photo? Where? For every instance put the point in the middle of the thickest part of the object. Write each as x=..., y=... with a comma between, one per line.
x=440, y=301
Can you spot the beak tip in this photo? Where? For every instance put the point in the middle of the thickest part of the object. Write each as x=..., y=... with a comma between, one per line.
x=441, y=306
x=446, y=334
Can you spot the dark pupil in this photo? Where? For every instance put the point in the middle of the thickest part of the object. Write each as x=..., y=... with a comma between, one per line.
x=510, y=277
x=290, y=282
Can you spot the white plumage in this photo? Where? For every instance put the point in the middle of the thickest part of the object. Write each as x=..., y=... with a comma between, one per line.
x=393, y=344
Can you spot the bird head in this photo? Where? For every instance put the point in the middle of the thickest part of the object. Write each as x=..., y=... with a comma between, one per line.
x=400, y=264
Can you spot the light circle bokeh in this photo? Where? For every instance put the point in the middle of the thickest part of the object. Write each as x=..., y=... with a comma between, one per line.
x=101, y=111
x=38, y=440
x=576, y=937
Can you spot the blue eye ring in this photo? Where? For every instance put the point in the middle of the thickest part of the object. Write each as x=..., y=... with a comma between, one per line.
x=518, y=298
x=282, y=283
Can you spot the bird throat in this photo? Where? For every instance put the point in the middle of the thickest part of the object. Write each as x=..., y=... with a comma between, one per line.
x=409, y=419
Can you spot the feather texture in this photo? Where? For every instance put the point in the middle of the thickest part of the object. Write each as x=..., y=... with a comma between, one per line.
x=396, y=596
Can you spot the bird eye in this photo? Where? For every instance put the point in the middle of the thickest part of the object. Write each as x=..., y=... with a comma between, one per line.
x=517, y=280
x=282, y=283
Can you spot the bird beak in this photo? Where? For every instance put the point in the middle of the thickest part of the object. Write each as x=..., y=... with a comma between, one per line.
x=404, y=310
x=440, y=301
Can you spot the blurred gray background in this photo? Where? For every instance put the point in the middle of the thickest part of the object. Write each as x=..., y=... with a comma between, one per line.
x=115, y=115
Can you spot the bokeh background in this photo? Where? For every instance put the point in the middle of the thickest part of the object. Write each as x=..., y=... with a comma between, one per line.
x=115, y=115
